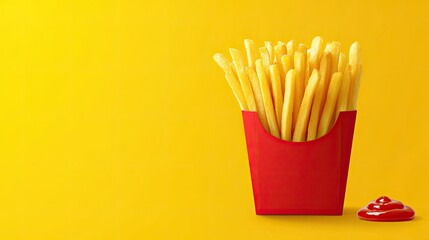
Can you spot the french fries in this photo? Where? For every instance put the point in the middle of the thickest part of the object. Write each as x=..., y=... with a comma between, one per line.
x=299, y=64
x=316, y=52
x=286, y=122
x=302, y=49
x=237, y=59
x=280, y=51
x=356, y=74
x=267, y=99
x=265, y=56
x=270, y=49
x=277, y=91
x=335, y=51
x=299, y=134
x=344, y=91
x=297, y=92
x=258, y=97
x=291, y=48
x=331, y=100
x=354, y=55
x=251, y=51
x=354, y=87
x=287, y=65
x=320, y=96
x=342, y=62
x=232, y=80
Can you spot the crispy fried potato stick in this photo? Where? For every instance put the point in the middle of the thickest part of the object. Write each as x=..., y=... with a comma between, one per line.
x=329, y=108
x=234, y=70
x=280, y=50
x=232, y=80
x=316, y=52
x=320, y=96
x=354, y=87
x=237, y=59
x=299, y=134
x=342, y=62
x=335, y=51
x=279, y=43
x=299, y=63
x=291, y=48
x=277, y=91
x=287, y=117
x=258, y=97
x=307, y=73
x=303, y=49
x=252, y=52
x=267, y=99
x=287, y=64
x=328, y=47
x=325, y=73
x=354, y=55
x=270, y=49
x=265, y=56
x=344, y=91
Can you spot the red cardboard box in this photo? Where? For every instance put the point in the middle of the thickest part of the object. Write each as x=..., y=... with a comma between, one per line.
x=299, y=177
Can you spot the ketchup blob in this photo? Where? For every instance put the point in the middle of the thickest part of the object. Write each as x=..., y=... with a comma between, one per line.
x=385, y=209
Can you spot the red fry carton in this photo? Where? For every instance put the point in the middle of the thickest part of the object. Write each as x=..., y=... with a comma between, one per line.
x=299, y=177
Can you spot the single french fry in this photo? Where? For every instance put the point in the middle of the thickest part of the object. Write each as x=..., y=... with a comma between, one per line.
x=307, y=73
x=316, y=52
x=277, y=91
x=344, y=91
x=315, y=111
x=335, y=51
x=320, y=96
x=299, y=63
x=265, y=56
x=354, y=55
x=232, y=80
x=356, y=74
x=234, y=70
x=236, y=89
x=291, y=48
x=308, y=57
x=331, y=100
x=237, y=59
x=251, y=51
x=354, y=87
x=287, y=63
x=287, y=118
x=279, y=43
x=280, y=50
x=325, y=75
x=299, y=134
x=258, y=97
x=267, y=99
x=303, y=49
x=328, y=47
x=270, y=49
x=342, y=62
x=223, y=62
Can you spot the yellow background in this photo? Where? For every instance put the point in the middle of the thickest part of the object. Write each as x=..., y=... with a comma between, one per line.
x=117, y=124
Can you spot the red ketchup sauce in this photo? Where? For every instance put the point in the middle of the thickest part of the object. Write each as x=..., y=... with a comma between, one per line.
x=385, y=209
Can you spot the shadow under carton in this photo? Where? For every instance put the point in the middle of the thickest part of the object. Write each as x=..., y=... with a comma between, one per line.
x=299, y=177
